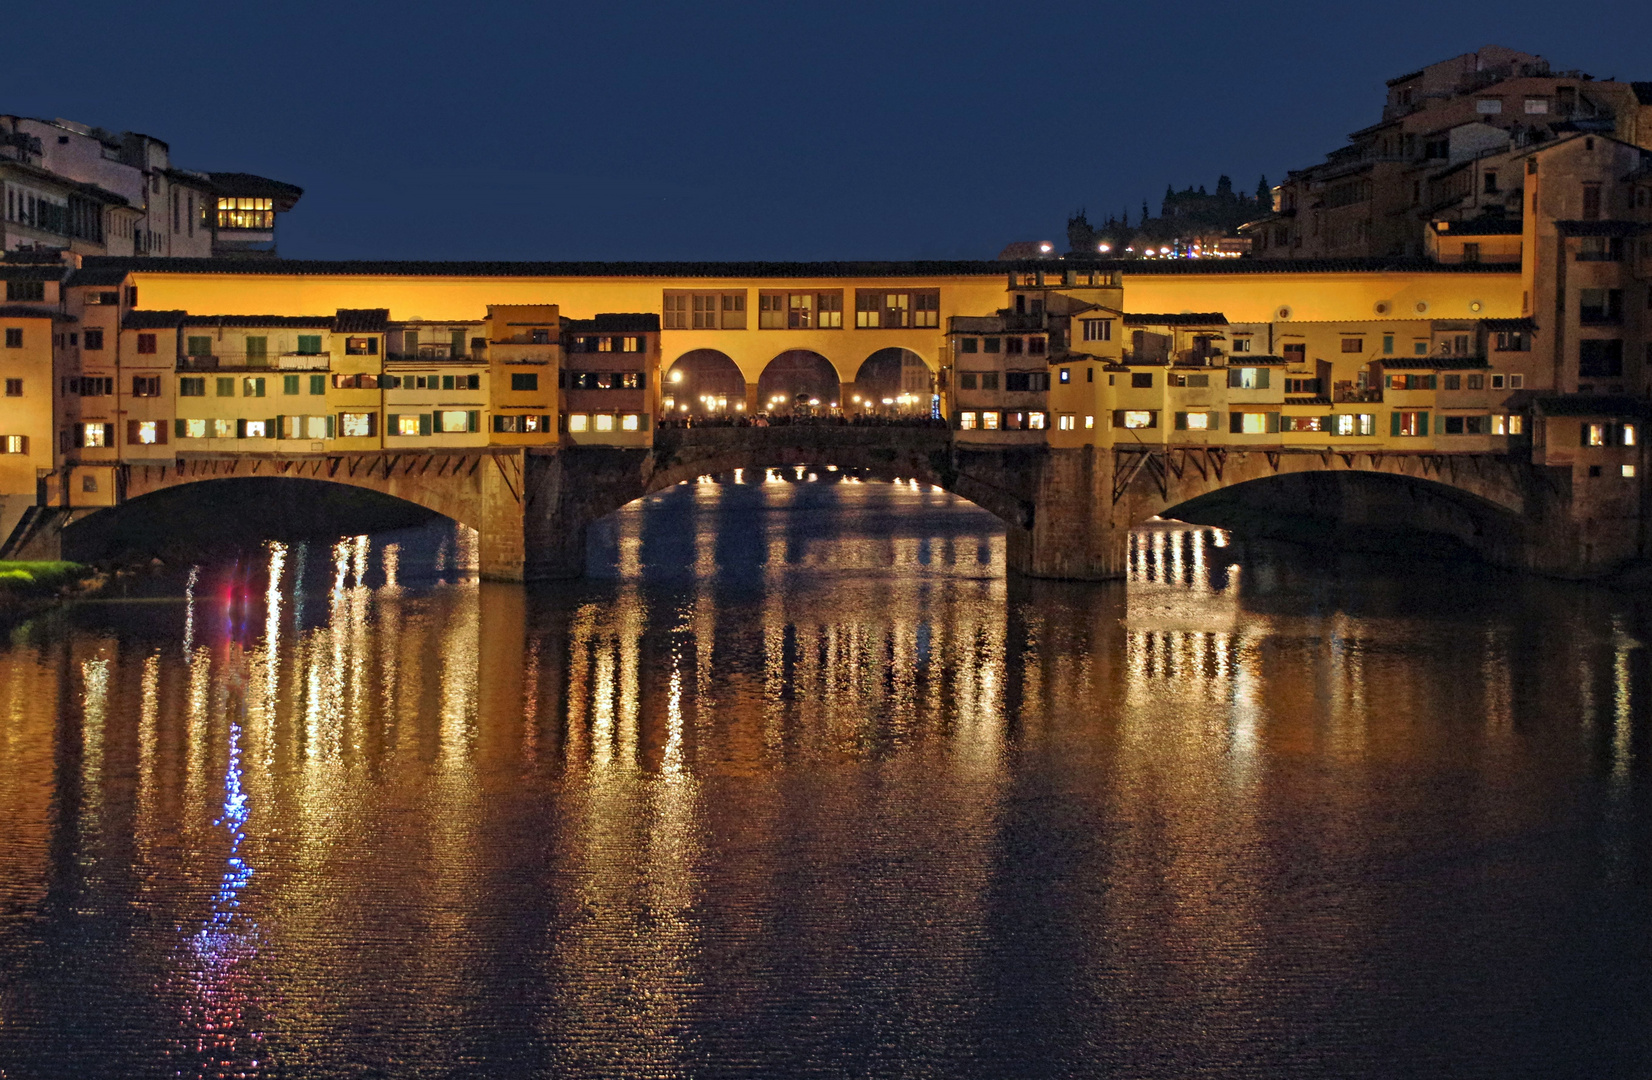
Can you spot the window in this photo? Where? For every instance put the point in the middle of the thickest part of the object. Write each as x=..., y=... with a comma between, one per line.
x=1600, y=358
x=26, y=290
x=1536, y=106
x=94, y=340
x=1353, y=345
x=989, y=421
x=1013, y=346
x=926, y=309
x=1467, y=425
x=968, y=345
x=538, y=335
x=1066, y=375
x=252, y=387
x=1516, y=381
x=705, y=307
x=1513, y=341
x=1408, y=423
x=771, y=311
x=1452, y=382
x=829, y=308
x=14, y=444
x=146, y=344
x=357, y=425
x=1302, y=386
x=1598, y=306
x=966, y=421
x=1388, y=344
x=1304, y=423
x=1023, y=381
x=452, y=420
x=1195, y=421
x=223, y=429
x=1065, y=422
x=93, y=435
x=1141, y=380
x=14, y=387
x=1248, y=378
x=1600, y=249
x=253, y=429
x=1097, y=329
x=146, y=432
x=246, y=213
x=1356, y=424
x=1295, y=354
x=309, y=344
x=360, y=346
x=966, y=380
x=989, y=380
x=1628, y=471
x=1037, y=421
x=1476, y=381
x=196, y=346
x=603, y=421
x=1626, y=435
x=146, y=386
x=318, y=384
x=630, y=422
x=1252, y=423
x=1591, y=202
x=992, y=345
x=1243, y=344
x=14, y=337
x=524, y=380
x=1136, y=418
x=192, y=429
x=410, y=424
x=1594, y=434
x=579, y=422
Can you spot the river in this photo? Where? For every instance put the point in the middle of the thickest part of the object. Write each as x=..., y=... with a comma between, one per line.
x=798, y=783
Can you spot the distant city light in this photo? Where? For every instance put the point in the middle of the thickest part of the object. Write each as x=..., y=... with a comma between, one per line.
x=1046, y=248
x=1104, y=248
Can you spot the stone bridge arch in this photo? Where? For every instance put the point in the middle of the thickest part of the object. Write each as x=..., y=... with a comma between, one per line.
x=482, y=488
x=1510, y=512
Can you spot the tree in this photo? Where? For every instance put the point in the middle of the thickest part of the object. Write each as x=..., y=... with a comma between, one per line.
x=1224, y=186
x=1264, y=193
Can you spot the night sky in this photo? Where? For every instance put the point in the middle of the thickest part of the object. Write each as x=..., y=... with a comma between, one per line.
x=622, y=130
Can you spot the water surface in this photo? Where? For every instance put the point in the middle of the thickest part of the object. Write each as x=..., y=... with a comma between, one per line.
x=798, y=783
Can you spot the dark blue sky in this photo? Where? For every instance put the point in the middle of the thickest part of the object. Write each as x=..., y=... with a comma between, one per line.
x=620, y=130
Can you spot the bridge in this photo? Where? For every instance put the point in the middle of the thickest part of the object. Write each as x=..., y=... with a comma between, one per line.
x=1068, y=512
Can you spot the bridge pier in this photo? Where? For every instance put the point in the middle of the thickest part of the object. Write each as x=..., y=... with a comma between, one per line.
x=1076, y=532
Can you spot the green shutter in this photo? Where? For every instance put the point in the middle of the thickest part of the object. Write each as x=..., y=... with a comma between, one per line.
x=1433, y=382
x=1181, y=421
x=279, y=432
x=1273, y=423
x=392, y=424
x=1394, y=424
x=331, y=419
x=1261, y=378
x=178, y=429
x=240, y=429
x=475, y=418
x=425, y=423
x=1236, y=423
x=1422, y=423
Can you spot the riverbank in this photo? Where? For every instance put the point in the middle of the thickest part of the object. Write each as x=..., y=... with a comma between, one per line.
x=27, y=586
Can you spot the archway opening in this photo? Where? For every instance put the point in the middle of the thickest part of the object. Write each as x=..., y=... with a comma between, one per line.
x=208, y=519
x=798, y=383
x=703, y=382
x=893, y=382
x=1370, y=512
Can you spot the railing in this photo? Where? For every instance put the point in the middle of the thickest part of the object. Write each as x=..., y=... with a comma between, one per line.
x=257, y=362
x=1352, y=395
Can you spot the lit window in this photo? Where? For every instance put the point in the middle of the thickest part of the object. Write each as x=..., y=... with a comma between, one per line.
x=1036, y=421
x=630, y=422
x=579, y=422
x=966, y=421
x=16, y=444
x=533, y=423
x=989, y=421
x=355, y=425
x=255, y=429
x=92, y=435
x=1628, y=470
x=194, y=429
x=1629, y=435
x=148, y=432
x=1594, y=434
x=1198, y=421
x=453, y=420
x=1089, y=422
x=605, y=422
x=315, y=427
x=1253, y=423
x=223, y=429
x=1066, y=375
x=1138, y=418
x=1065, y=422
x=407, y=424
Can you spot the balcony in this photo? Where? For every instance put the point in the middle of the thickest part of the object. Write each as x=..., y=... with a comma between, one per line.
x=257, y=362
x=1348, y=394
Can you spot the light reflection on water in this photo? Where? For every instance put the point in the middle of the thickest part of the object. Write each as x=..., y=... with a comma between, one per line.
x=800, y=782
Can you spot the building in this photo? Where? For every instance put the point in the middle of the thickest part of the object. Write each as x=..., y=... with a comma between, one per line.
x=82, y=189
x=1377, y=196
